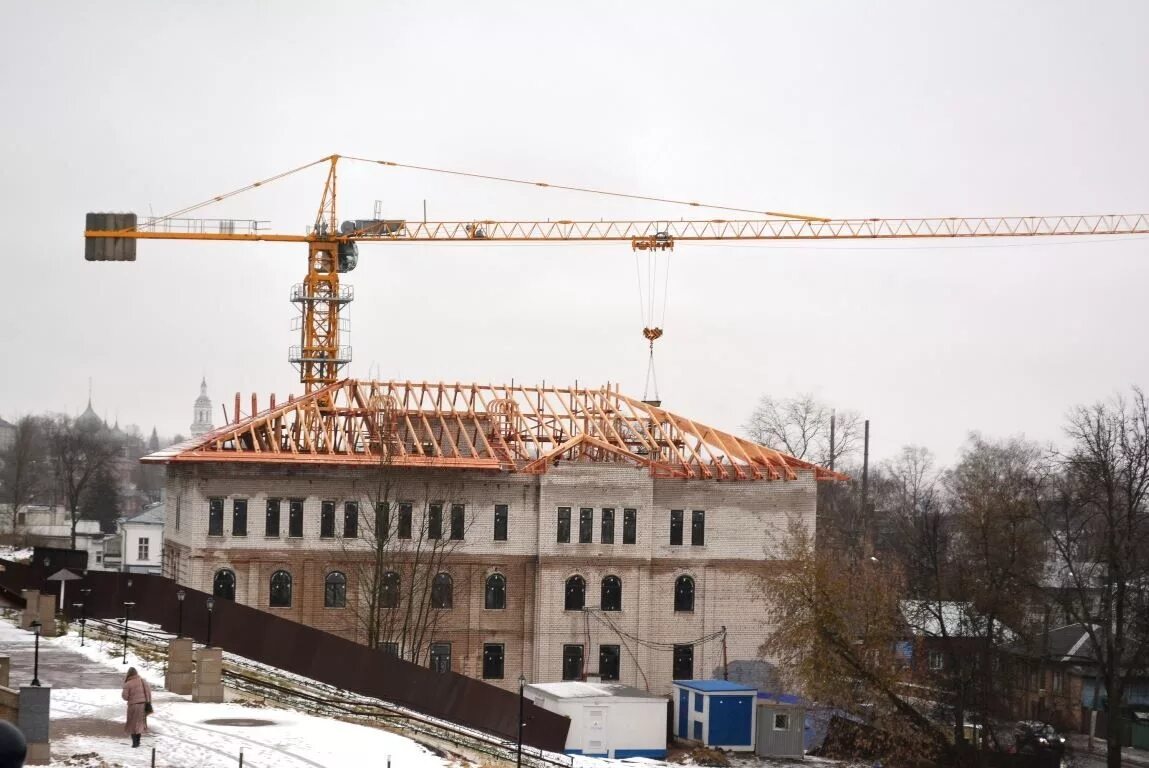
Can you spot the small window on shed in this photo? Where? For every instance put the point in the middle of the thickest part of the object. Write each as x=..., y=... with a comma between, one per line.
x=781, y=721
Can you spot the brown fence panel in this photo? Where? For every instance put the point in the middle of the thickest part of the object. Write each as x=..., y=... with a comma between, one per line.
x=299, y=649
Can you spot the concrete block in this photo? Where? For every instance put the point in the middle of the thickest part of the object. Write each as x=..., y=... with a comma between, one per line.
x=33, y=721
x=180, y=677
x=31, y=607
x=208, y=693
x=208, y=675
x=48, y=615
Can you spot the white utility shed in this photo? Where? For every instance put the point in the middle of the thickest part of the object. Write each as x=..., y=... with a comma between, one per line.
x=607, y=719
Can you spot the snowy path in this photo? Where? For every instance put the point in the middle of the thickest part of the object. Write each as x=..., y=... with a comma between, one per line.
x=88, y=715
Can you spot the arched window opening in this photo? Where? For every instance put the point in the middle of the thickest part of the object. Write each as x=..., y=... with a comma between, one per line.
x=335, y=590
x=684, y=594
x=611, y=594
x=280, y=596
x=442, y=591
x=496, y=593
x=223, y=585
x=575, y=594
x=389, y=590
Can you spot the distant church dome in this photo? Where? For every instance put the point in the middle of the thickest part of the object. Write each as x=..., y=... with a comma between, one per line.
x=201, y=423
x=89, y=418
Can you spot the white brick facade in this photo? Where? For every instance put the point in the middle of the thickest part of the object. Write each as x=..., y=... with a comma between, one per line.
x=743, y=523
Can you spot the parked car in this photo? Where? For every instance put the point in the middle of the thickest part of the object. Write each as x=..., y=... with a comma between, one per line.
x=1035, y=737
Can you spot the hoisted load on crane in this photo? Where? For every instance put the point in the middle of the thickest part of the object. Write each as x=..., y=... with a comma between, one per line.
x=652, y=281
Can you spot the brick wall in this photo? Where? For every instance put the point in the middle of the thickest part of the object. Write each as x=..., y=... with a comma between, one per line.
x=744, y=522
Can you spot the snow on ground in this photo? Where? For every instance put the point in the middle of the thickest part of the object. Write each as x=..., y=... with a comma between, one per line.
x=16, y=554
x=88, y=728
x=186, y=734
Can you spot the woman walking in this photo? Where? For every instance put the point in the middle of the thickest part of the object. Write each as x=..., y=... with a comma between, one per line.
x=138, y=694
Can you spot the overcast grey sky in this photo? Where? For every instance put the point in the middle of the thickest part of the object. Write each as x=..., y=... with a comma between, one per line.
x=839, y=109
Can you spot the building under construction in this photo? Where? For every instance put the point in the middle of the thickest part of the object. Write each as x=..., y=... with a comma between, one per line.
x=491, y=530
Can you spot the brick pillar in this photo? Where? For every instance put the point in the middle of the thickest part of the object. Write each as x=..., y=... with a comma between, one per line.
x=48, y=615
x=180, y=677
x=208, y=675
x=5, y=670
x=33, y=723
x=31, y=607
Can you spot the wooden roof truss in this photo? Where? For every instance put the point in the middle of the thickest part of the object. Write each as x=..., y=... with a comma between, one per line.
x=510, y=428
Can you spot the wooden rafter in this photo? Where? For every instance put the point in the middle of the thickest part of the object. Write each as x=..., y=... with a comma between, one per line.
x=473, y=426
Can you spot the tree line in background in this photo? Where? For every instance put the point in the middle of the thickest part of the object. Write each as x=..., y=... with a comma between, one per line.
x=986, y=557
x=81, y=464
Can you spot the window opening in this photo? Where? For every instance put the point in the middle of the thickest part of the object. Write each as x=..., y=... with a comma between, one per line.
x=629, y=526
x=611, y=594
x=493, y=661
x=280, y=592
x=271, y=527
x=295, y=518
x=606, y=536
x=675, y=527
x=500, y=522
x=572, y=662
x=335, y=590
x=684, y=594
x=435, y=523
x=458, y=520
x=442, y=591
x=608, y=662
x=327, y=520
x=698, y=528
x=575, y=594
x=215, y=517
x=496, y=592
x=350, y=519
x=564, y=525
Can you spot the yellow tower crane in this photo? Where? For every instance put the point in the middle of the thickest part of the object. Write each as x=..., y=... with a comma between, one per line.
x=332, y=246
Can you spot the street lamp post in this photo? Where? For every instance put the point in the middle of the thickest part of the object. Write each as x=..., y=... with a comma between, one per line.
x=83, y=617
x=83, y=620
x=210, y=606
x=180, y=598
x=127, y=620
x=519, y=752
x=36, y=655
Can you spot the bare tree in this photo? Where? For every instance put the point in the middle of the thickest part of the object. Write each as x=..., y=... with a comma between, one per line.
x=834, y=625
x=1099, y=532
x=23, y=466
x=402, y=561
x=78, y=452
x=800, y=426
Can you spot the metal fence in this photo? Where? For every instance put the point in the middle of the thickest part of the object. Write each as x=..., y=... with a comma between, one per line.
x=299, y=649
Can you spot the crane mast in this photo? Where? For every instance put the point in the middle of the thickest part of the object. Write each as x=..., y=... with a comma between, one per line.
x=332, y=248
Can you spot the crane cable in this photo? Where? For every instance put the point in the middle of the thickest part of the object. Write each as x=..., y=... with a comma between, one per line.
x=588, y=190
x=653, y=322
x=219, y=198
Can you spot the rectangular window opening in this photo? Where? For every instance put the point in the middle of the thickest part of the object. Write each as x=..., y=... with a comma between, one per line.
x=675, y=527
x=215, y=517
x=239, y=517
x=683, y=662
x=327, y=520
x=698, y=528
x=440, y=657
x=606, y=536
x=271, y=527
x=405, y=510
x=435, y=522
x=500, y=522
x=493, y=661
x=564, y=525
x=572, y=662
x=295, y=518
x=458, y=521
x=781, y=721
x=389, y=649
x=350, y=519
x=382, y=522
x=585, y=525
x=629, y=526
x=608, y=662
x=144, y=547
